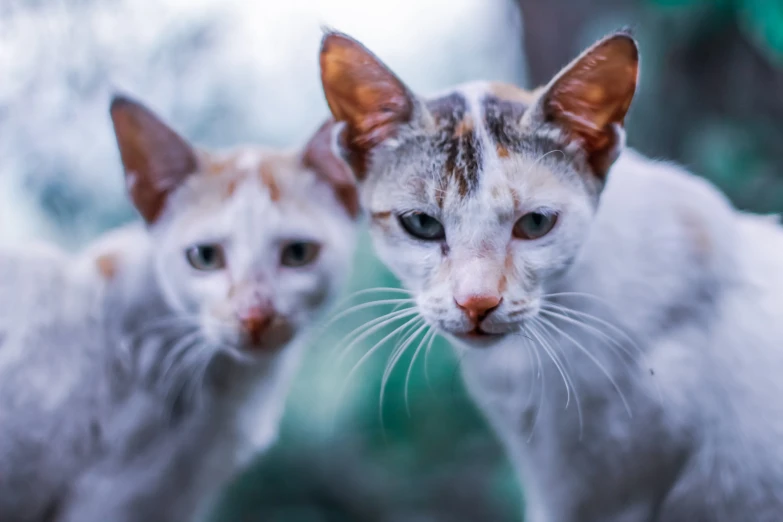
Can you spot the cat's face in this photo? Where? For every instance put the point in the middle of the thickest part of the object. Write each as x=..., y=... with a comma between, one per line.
x=481, y=196
x=250, y=244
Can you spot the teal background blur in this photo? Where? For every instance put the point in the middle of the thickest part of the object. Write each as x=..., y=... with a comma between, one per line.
x=228, y=71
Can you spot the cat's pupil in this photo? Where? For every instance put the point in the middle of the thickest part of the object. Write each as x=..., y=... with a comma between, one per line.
x=538, y=219
x=424, y=221
x=208, y=255
x=298, y=251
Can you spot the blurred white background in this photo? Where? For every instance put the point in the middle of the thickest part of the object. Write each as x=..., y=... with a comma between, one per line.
x=220, y=71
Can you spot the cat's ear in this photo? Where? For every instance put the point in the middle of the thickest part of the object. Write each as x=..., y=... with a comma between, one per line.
x=156, y=159
x=590, y=97
x=322, y=155
x=362, y=92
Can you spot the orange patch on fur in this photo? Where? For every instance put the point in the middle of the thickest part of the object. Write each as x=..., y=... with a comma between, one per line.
x=515, y=198
x=218, y=166
x=502, y=151
x=267, y=176
x=381, y=215
x=107, y=266
x=509, y=92
x=231, y=188
x=503, y=284
x=508, y=268
x=464, y=127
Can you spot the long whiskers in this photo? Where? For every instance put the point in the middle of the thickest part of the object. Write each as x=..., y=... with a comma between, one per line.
x=176, y=352
x=375, y=347
x=572, y=316
x=548, y=323
x=431, y=334
x=549, y=344
x=372, y=327
x=417, y=329
x=363, y=306
x=427, y=357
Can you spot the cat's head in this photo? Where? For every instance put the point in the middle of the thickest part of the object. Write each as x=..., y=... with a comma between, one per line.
x=250, y=243
x=480, y=196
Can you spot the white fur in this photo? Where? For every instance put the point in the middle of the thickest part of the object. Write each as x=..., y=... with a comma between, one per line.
x=90, y=432
x=664, y=407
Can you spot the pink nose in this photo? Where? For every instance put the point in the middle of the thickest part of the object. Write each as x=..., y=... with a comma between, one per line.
x=478, y=307
x=255, y=322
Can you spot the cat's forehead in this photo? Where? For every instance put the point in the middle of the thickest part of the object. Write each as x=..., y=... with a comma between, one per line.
x=273, y=170
x=477, y=152
x=477, y=132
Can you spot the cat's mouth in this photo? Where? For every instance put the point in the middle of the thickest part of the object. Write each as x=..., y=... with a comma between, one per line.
x=479, y=336
x=478, y=333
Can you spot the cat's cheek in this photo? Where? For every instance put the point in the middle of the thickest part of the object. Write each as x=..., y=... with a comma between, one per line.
x=410, y=263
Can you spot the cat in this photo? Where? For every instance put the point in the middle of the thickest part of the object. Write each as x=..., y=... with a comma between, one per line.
x=616, y=320
x=139, y=375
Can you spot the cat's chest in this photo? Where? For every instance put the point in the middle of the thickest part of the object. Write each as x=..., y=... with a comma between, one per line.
x=502, y=379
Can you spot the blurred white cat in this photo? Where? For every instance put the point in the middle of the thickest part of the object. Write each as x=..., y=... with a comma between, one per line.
x=139, y=375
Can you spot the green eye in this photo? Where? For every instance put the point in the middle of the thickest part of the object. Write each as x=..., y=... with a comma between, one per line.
x=299, y=253
x=422, y=226
x=206, y=257
x=534, y=225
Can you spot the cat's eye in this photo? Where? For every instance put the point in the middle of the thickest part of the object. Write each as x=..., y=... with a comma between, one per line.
x=206, y=257
x=422, y=226
x=299, y=253
x=534, y=225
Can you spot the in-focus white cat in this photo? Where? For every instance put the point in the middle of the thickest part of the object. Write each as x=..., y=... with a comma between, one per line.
x=136, y=377
x=619, y=322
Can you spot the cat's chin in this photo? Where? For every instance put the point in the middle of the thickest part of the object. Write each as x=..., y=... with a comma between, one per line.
x=477, y=338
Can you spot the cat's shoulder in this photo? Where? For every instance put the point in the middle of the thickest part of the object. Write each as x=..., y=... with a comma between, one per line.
x=115, y=252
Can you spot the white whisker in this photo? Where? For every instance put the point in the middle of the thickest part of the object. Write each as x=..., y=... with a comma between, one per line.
x=376, y=346
x=179, y=348
x=363, y=306
x=369, y=353
x=540, y=375
x=563, y=311
x=592, y=357
x=423, y=341
x=427, y=356
x=548, y=340
x=554, y=359
x=393, y=360
x=378, y=325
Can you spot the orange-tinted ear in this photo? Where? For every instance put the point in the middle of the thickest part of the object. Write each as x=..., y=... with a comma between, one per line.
x=591, y=96
x=362, y=92
x=156, y=159
x=321, y=155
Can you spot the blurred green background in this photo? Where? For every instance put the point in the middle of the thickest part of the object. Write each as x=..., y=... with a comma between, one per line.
x=711, y=98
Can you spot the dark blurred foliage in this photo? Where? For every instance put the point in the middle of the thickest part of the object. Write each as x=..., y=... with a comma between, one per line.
x=710, y=97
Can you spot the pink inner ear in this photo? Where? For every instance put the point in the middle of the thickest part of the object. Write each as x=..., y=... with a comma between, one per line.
x=596, y=91
x=156, y=159
x=362, y=92
x=590, y=99
x=320, y=156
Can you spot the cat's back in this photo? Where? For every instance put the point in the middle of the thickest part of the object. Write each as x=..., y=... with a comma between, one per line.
x=48, y=338
x=700, y=283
